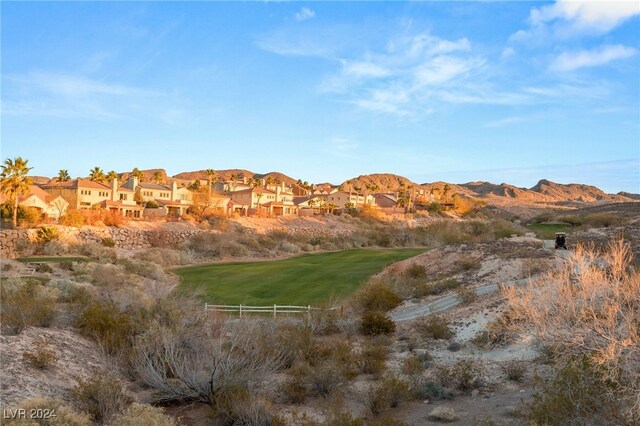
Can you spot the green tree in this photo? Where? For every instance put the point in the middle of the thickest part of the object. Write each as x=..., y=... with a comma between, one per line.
x=111, y=175
x=63, y=176
x=97, y=175
x=137, y=173
x=15, y=182
x=157, y=177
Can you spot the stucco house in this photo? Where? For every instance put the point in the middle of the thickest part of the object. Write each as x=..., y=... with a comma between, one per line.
x=87, y=194
x=342, y=198
x=174, y=200
x=51, y=205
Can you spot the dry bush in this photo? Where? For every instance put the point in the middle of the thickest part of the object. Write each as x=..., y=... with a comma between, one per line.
x=95, y=251
x=466, y=295
x=325, y=379
x=429, y=390
x=41, y=357
x=514, y=370
x=531, y=267
x=416, y=271
x=53, y=413
x=377, y=295
x=26, y=304
x=194, y=357
x=143, y=415
x=72, y=217
x=466, y=264
x=375, y=323
x=443, y=414
x=435, y=327
x=112, y=328
x=463, y=375
x=238, y=406
x=160, y=256
x=412, y=365
x=590, y=309
x=102, y=396
x=373, y=357
x=387, y=394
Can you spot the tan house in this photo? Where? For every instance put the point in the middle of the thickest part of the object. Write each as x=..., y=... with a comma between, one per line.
x=50, y=205
x=87, y=194
x=343, y=199
x=175, y=201
x=277, y=201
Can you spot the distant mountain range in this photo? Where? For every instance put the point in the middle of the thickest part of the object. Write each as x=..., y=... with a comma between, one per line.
x=544, y=191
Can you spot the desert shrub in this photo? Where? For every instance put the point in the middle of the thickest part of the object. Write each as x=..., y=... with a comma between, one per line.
x=504, y=229
x=579, y=393
x=496, y=333
x=532, y=267
x=288, y=247
x=96, y=251
x=145, y=269
x=160, y=256
x=325, y=379
x=72, y=217
x=377, y=295
x=102, y=396
x=373, y=357
x=54, y=413
x=348, y=326
x=44, y=268
x=67, y=289
x=412, y=365
x=44, y=234
x=434, y=326
x=466, y=295
x=454, y=346
x=110, y=327
x=585, y=311
x=387, y=394
x=463, y=375
x=604, y=220
x=514, y=370
x=205, y=243
x=294, y=388
x=28, y=217
x=466, y=264
x=439, y=287
x=108, y=242
x=151, y=205
x=41, y=357
x=113, y=218
x=416, y=271
x=53, y=248
x=28, y=304
x=105, y=275
x=241, y=407
x=143, y=415
x=443, y=414
x=375, y=323
x=430, y=390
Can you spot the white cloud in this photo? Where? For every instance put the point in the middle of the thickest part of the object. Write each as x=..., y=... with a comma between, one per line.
x=598, y=15
x=567, y=18
x=507, y=52
x=304, y=14
x=570, y=61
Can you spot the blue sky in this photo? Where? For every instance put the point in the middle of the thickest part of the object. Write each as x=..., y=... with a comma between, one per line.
x=324, y=91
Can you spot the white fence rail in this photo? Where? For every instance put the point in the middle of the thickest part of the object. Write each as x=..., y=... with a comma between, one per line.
x=269, y=309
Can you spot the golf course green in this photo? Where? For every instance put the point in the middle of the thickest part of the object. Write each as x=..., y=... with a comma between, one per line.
x=299, y=280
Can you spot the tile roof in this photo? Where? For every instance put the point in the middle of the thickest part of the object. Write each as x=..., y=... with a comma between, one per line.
x=149, y=185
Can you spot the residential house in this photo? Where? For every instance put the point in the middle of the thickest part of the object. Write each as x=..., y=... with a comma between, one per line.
x=50, y=205
x=174, y=200
x=87, y=194
x=343, y=199
x=276, y=200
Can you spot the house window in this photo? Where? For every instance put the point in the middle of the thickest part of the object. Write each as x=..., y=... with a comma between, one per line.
x=123, y=196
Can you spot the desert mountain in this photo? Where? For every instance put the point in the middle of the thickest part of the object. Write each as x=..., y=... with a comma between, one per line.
x=385, y=182
x=571, y=192
x=629, y=195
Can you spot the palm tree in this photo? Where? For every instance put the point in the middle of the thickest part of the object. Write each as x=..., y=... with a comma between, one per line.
x=233, y=179
x=157, y=177
x=137, y=173
x=259, y=195
x=210, y=174
x=15, y=182
x=111, y=176
x=97, y=175
x=63, y=176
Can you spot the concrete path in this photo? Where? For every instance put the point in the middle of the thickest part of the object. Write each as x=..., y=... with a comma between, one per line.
x=448, y=302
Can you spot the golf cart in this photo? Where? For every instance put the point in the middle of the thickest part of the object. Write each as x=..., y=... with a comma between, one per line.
x=561, y=240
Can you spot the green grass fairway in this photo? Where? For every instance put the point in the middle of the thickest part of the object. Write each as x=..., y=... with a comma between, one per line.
x=547, y=231
x=306, y=279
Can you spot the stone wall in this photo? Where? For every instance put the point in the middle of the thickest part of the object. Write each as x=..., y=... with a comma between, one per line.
x=125, y=238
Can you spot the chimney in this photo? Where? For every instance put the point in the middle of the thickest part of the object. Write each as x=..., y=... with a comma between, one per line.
x=263, y=182
x=134, y=179
x=114, y=189
x=244, y=180
x=174, y=191
x=282, y=186
x=278, y=191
